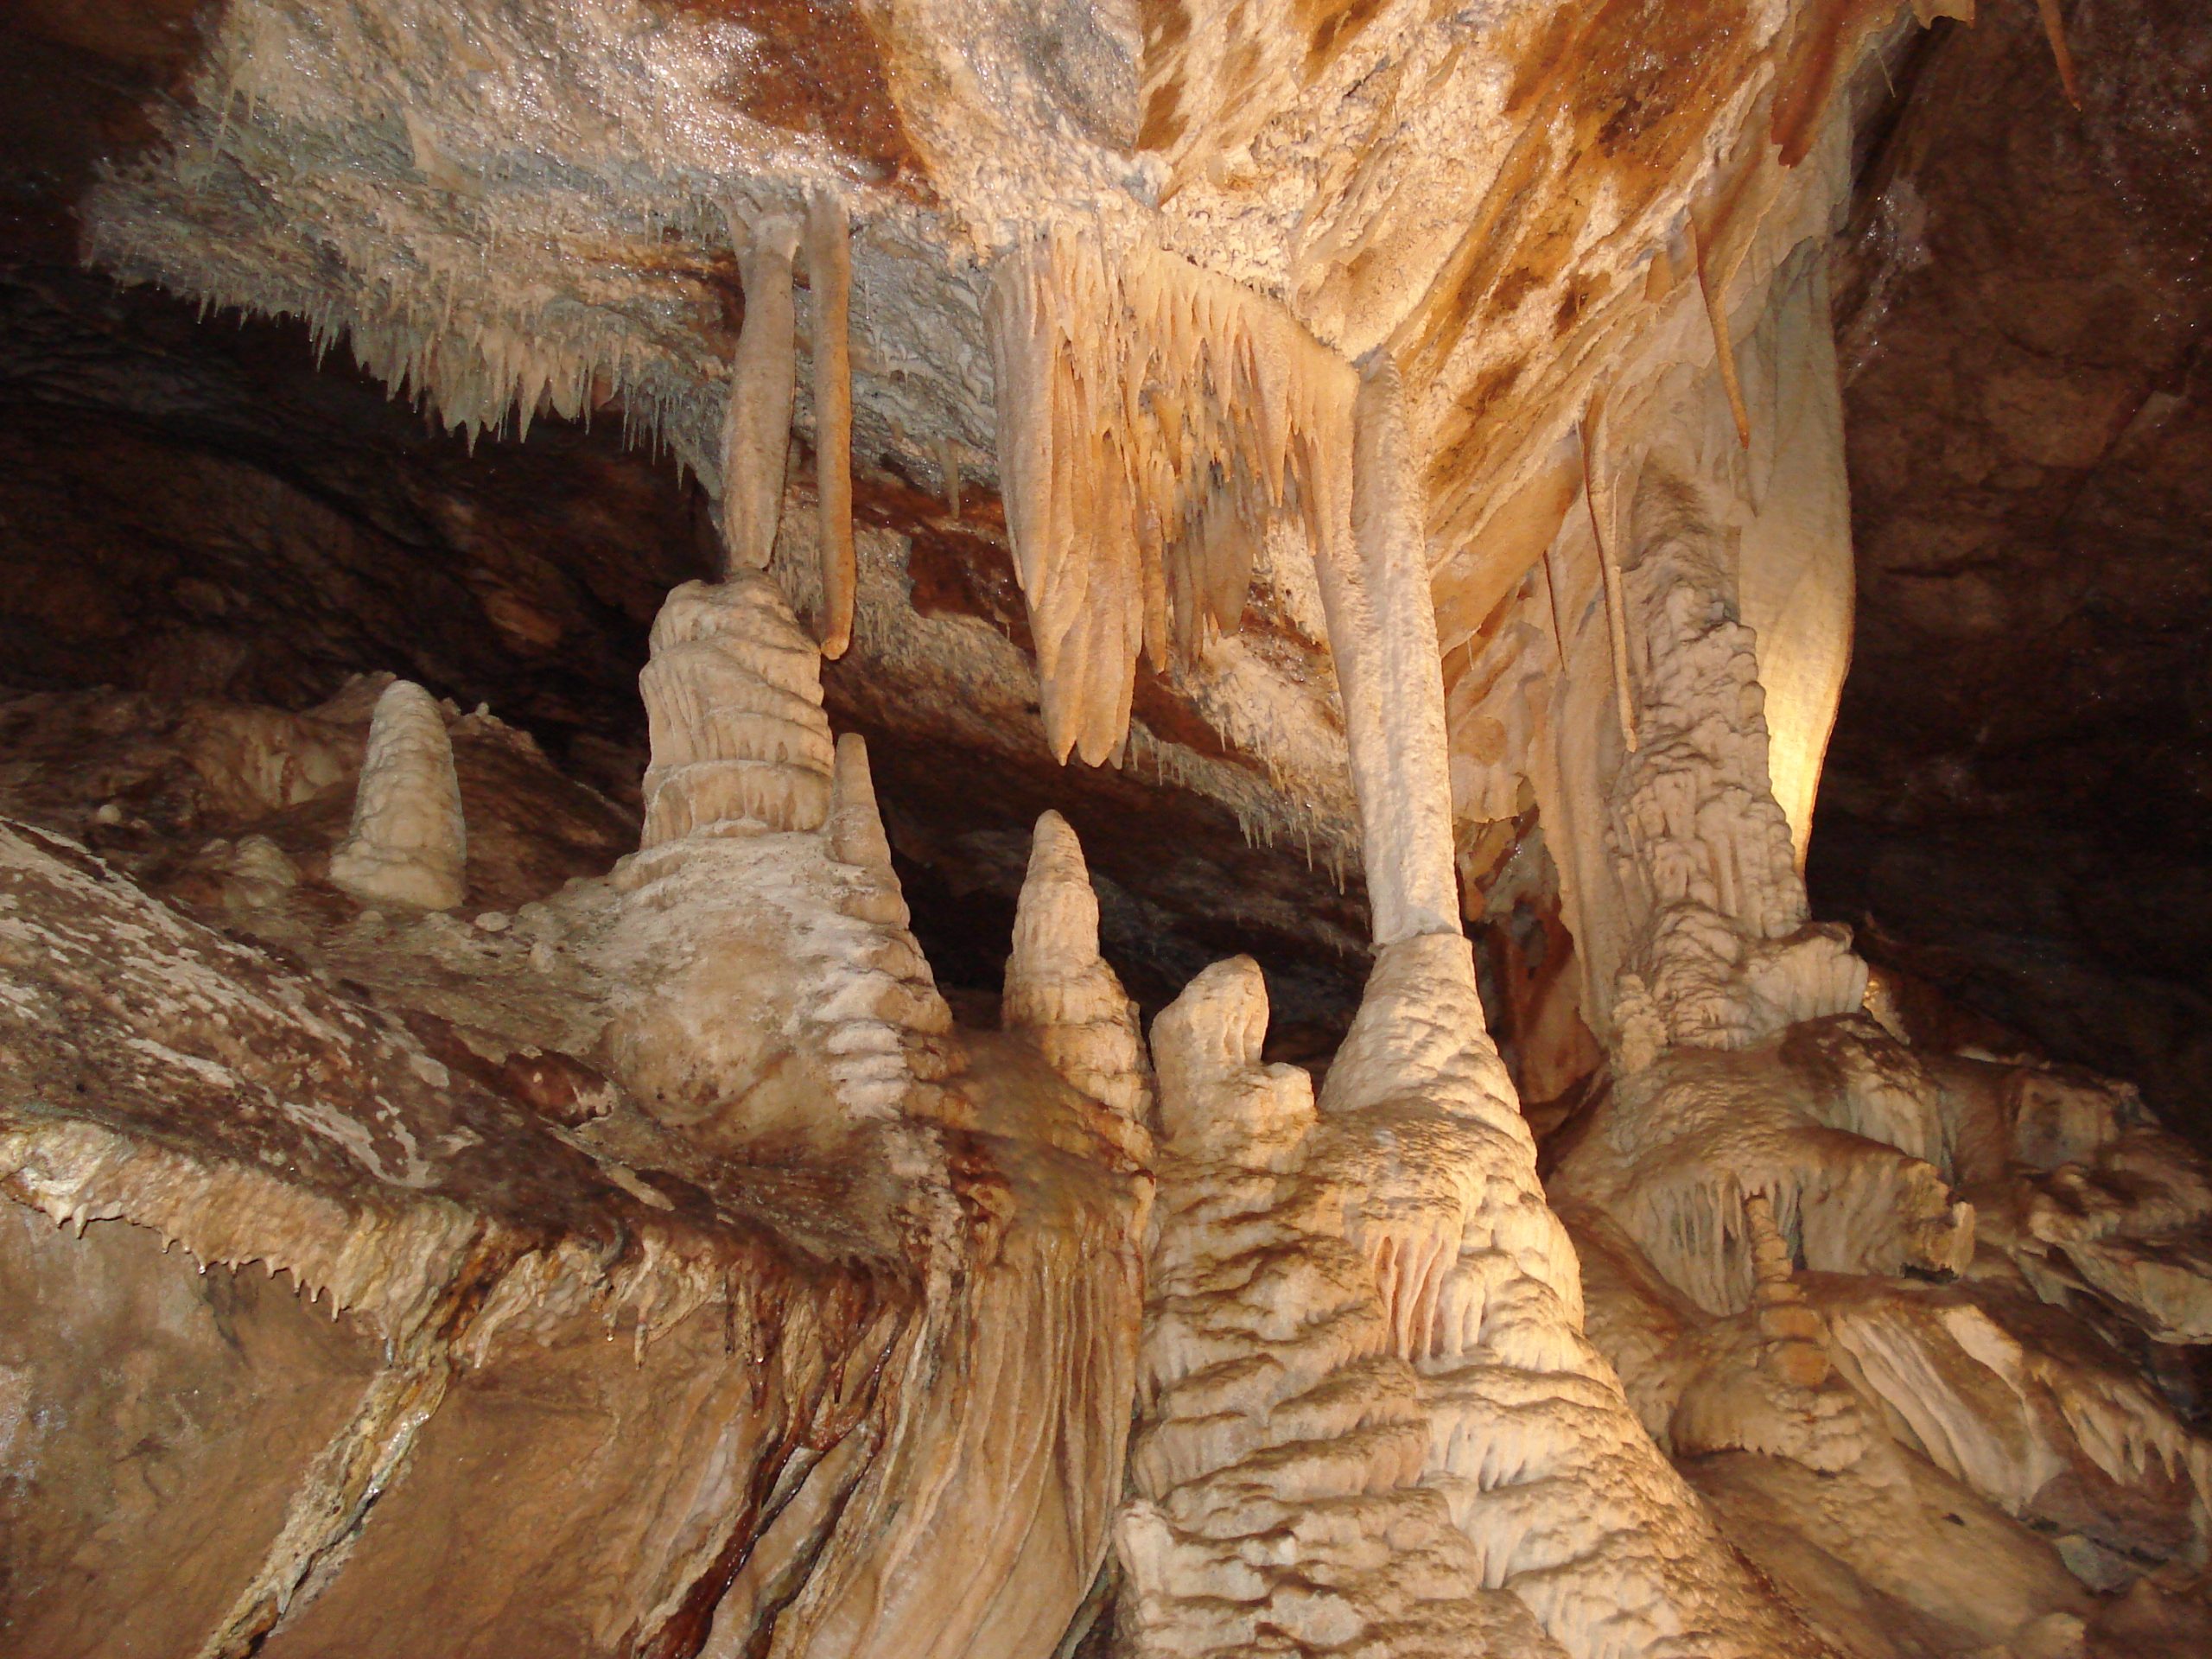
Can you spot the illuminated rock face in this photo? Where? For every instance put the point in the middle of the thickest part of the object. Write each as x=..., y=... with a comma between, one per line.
x=1262, y=1425
x=1403, y=422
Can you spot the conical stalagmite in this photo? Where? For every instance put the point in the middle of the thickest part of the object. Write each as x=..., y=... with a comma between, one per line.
x=757, y=425
x=407, y=844
x=856, y=825
x=1060, y=991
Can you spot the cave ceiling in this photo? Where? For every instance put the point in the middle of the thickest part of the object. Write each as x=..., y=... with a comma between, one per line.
x=524, y=221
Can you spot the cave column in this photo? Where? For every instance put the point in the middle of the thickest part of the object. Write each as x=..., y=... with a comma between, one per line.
x=1421, y=1164
x=1375, y=593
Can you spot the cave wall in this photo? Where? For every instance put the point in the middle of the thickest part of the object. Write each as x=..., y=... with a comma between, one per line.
x=2015, y=803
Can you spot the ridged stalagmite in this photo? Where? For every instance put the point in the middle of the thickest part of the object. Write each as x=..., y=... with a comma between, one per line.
x=407, y=844
x=1273, y=1452
x=1060, y=991
x=734, y=700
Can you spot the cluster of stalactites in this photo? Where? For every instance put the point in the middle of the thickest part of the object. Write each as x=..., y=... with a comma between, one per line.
x=756, y=425
x=1153, y=418
x=734, y=703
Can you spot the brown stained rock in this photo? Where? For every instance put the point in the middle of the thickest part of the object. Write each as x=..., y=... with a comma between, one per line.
x=585, y=1395
x=817, y=67
x=213, y=1052
x=134, y=1390
x=564, y=1494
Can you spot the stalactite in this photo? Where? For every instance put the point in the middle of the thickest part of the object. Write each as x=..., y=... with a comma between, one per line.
x=1152, y=417
x=1598, y=494
x=1381, y=624
x=757, y=426
x=1716, y=310
x=829, y=274
x=2054, y=29
x=1551, y=593
x=948, y=467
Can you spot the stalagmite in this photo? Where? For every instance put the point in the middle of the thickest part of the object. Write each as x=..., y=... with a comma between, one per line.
x=829, y=280
x=796, y=1320
x=736, y=901
x=1426, y=1156
x=856, y=825
x=407, y=844
x=1721, y=952
x=757, y=424
x=1796, y=1350
x=734, y=700
x=1277, y=1471
x=1060, y=991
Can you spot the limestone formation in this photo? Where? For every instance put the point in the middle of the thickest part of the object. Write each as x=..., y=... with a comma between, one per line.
x=1531, y=1442
x=1277, y=1472
x=1727, y=957
x=1394, y=435
x=408, y=845
x=856, y=833
x=1133, y=515
x=653, y=1339
x=734, y=694
x=829, y=279
x=765, y=880
x=768, y=992
x=1061, y=991
x=756, y=428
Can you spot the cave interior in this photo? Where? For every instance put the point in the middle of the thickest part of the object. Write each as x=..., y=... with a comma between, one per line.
x=1017, y=829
